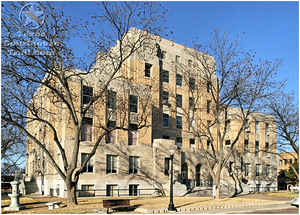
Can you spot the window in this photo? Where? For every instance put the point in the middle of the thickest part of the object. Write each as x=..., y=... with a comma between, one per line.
x=132, y=134
x=166, y=137
x=87, y=190
x=230, y=167
x=280, y=163
x=133, y=189
x=285, y=161
x=256, y=148
x=179, y=141
x=177, y=59
x=267, y=170
x=267, y=147
x=178, y=80
x=192, y=143
x=179, y=100
x=247, y=128
x=87, y=93
x=111, y=136
x=208, y=143
x=86, y=129
x=208, y=106
x=164, y=54
x=291, y=161
x=89, y=166
x=267, y=129
x=112, y=99
x=111, y=164
x=227, y=142
x=246, y=146
x=165, y=76
x=167, y=166
x=256, y=127
x=208, y=86
x=133, y=103
x=111, y=189
x=190, y=63
x=191, y=103
x=247, y=165
x=133, y=164
x=165, y=97
x=179, y=122
x=147, y=69
x=192, y=83
x=257, y=169
x=165, y=120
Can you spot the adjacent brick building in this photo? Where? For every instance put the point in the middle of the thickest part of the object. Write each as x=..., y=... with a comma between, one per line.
x=135, y=162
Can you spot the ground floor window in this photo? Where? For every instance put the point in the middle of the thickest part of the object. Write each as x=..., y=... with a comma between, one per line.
x=87, y=190
x=198, y=182
x=111, y=190
x=133, y=189
x=257, y=188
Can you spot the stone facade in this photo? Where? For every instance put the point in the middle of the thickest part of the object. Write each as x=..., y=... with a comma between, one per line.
x=109, y=172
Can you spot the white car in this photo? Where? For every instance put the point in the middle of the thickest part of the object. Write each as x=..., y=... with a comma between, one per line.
x=295, y=202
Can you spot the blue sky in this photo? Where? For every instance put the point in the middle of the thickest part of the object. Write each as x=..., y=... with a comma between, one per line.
x=269, y=28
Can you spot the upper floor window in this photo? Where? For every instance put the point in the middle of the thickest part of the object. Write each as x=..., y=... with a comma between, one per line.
x=256, y=127
x=179, y=141
x=267, y=129
x=178, y=80
x=89, y=166
x=87, y=93
x=179, y=122
x=177, y=59
x=246, y=145
x=148, y=69
x=87, y=129
x=192, y=83
x=208, y=104
x=191, y=103
x=133, y=164
x=133, y=103
x=256, y=147
x=132, y=134
x=111, y=135
x=192, y=143
x=165, y=97
x=165, y=76
x=280, y=162
x=257, y=170
x=165, y=120
x=267, y=170
x=208, y=86
x=246, y=169
x=267, y=147
x=190, y=62
x=112, y=99
x=227, y=142
x=285, y=161
x=179, y=100
x=111, y=163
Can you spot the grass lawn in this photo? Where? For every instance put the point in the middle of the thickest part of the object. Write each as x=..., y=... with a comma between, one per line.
x=90, y=205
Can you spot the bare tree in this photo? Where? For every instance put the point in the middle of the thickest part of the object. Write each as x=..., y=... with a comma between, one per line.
x=282, y=107
x=39, y=75
x=226, y=85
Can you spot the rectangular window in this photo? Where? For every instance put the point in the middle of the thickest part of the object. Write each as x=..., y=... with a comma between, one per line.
x=165, y=97
x=165, y=76
x=167, y=166
x=256, y=127
x=208, y=143
x=111, y=190
x=257, y=170
x=87, y=190
x=267, y=129
x=87, y=93
x=192, y=83
x=267, y=147
x=280, y=162
x=178, y=80
x=256, y=148
x=192, y=143
x=227, y=142
x=112, y=99
x=133, y=103
x=208, y=87
x=191, y=103
x=208, y=106
x=246, y=146
x=190, y=62
x=133, y=164
x=179, y=100
x=179, y=122
x=132, y=134
x=87, y=129
x=177, y=59
x=89, y=167
x=148, y=69
x=133, y=189
x=179, y=141
x=111, y=164
x=267, y=170
x=285, y=161
x=165, y=120
x=247, y=166
x=111, y=136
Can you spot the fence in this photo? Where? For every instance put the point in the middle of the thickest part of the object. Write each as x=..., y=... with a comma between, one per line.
x=117, y=192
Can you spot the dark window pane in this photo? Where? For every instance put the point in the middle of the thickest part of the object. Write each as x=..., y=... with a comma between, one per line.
x=179, y=122
x=179, y=100
x=178, y=80
x=192, y=83
x=112, y=100
x=165, y=76
x=147, y=69
x=87, y=93
x=133, y=103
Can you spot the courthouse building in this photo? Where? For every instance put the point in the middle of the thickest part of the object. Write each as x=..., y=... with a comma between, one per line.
x=136, y=161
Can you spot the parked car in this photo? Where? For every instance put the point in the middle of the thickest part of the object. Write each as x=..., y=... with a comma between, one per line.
x=295, y=202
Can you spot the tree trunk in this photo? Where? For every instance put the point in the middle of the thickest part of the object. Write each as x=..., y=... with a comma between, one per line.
x=71, y=192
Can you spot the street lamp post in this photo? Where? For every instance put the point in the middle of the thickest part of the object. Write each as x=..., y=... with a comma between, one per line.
x=171, y=204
